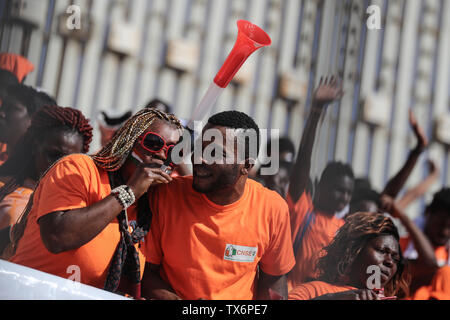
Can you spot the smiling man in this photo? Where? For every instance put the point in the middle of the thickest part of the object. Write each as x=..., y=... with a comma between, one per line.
x=218, y=234
x=85, y=207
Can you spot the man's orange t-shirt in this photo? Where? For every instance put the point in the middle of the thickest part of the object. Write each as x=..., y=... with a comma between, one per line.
x=311, y=231
x=313, y=289
x=12, y=205
x=74, y=182
x=213, y=252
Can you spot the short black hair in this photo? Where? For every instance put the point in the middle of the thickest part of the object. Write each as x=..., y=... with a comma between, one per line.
x=364, y=194
x=7, y=78
x=156, y=103
x=29, y=97
x=236, y=120
x=336, y=169
x=285, y=145
x=440, y=202
x=44, y=99
x=362, y=183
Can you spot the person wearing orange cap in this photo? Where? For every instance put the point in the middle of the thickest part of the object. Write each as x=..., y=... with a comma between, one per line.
x=17, y=64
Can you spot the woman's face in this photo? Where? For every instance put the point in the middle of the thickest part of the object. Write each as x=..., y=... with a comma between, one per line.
x=14, y=120
x=54, y=146
x=377, y=262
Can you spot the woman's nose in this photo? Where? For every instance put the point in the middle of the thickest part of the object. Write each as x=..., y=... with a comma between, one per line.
x=388, y=261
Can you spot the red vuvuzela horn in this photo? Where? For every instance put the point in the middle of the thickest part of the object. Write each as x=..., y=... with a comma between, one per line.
x=249, y=39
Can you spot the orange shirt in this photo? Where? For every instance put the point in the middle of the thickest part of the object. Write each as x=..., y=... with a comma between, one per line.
x=16, y=64
x=12, y=205
x=439, y=288
x=440, y=280
x=74, y=182
x=213, y=252
x=320, y=231
x=3, y=153
x=313, y=289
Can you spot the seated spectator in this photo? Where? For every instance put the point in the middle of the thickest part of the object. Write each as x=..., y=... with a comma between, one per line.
x=218, y=234
x=18, y=103
x=365, y=200
x=279, y=181
x=54, y=132
x=89, y=211
x=427, y=251
x=366, y=240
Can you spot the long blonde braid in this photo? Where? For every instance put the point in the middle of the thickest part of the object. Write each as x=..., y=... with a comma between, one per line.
x=112, y=156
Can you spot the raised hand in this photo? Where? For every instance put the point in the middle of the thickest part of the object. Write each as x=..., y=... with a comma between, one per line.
x=329, y=90
x=388, y=205
x=422, y=141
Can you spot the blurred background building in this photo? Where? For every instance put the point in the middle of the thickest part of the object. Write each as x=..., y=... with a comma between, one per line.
x=126, y=53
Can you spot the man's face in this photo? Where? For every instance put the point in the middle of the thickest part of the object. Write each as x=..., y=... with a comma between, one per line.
x=437, y=227
x=208, y=175
x=336, y=195
x=278, y=182
x=382, y=252
x=14, y=120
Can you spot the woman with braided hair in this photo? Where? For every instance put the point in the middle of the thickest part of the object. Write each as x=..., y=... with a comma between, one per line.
x=363, y=262
x=92, y=211
x=54, y=132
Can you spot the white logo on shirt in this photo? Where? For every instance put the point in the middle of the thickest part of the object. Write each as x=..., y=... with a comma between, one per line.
x=240, y=253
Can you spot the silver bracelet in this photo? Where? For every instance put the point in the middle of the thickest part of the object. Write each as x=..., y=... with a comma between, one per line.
x=124, y=195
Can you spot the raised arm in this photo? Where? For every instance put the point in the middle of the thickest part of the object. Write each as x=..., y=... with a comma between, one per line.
x=420, y=189
x=397, y=182
x=423, y=246
x=329, y=90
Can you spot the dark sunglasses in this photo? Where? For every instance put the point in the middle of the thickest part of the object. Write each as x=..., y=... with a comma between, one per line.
x=154, y=143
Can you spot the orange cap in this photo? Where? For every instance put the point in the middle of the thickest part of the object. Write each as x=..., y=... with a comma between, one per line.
x=16, y=64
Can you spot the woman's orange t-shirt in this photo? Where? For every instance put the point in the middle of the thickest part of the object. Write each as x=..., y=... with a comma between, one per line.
x=313, y=289
x=319, y=233
x=13, y=205
x=3, y=153
x=72, y=183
